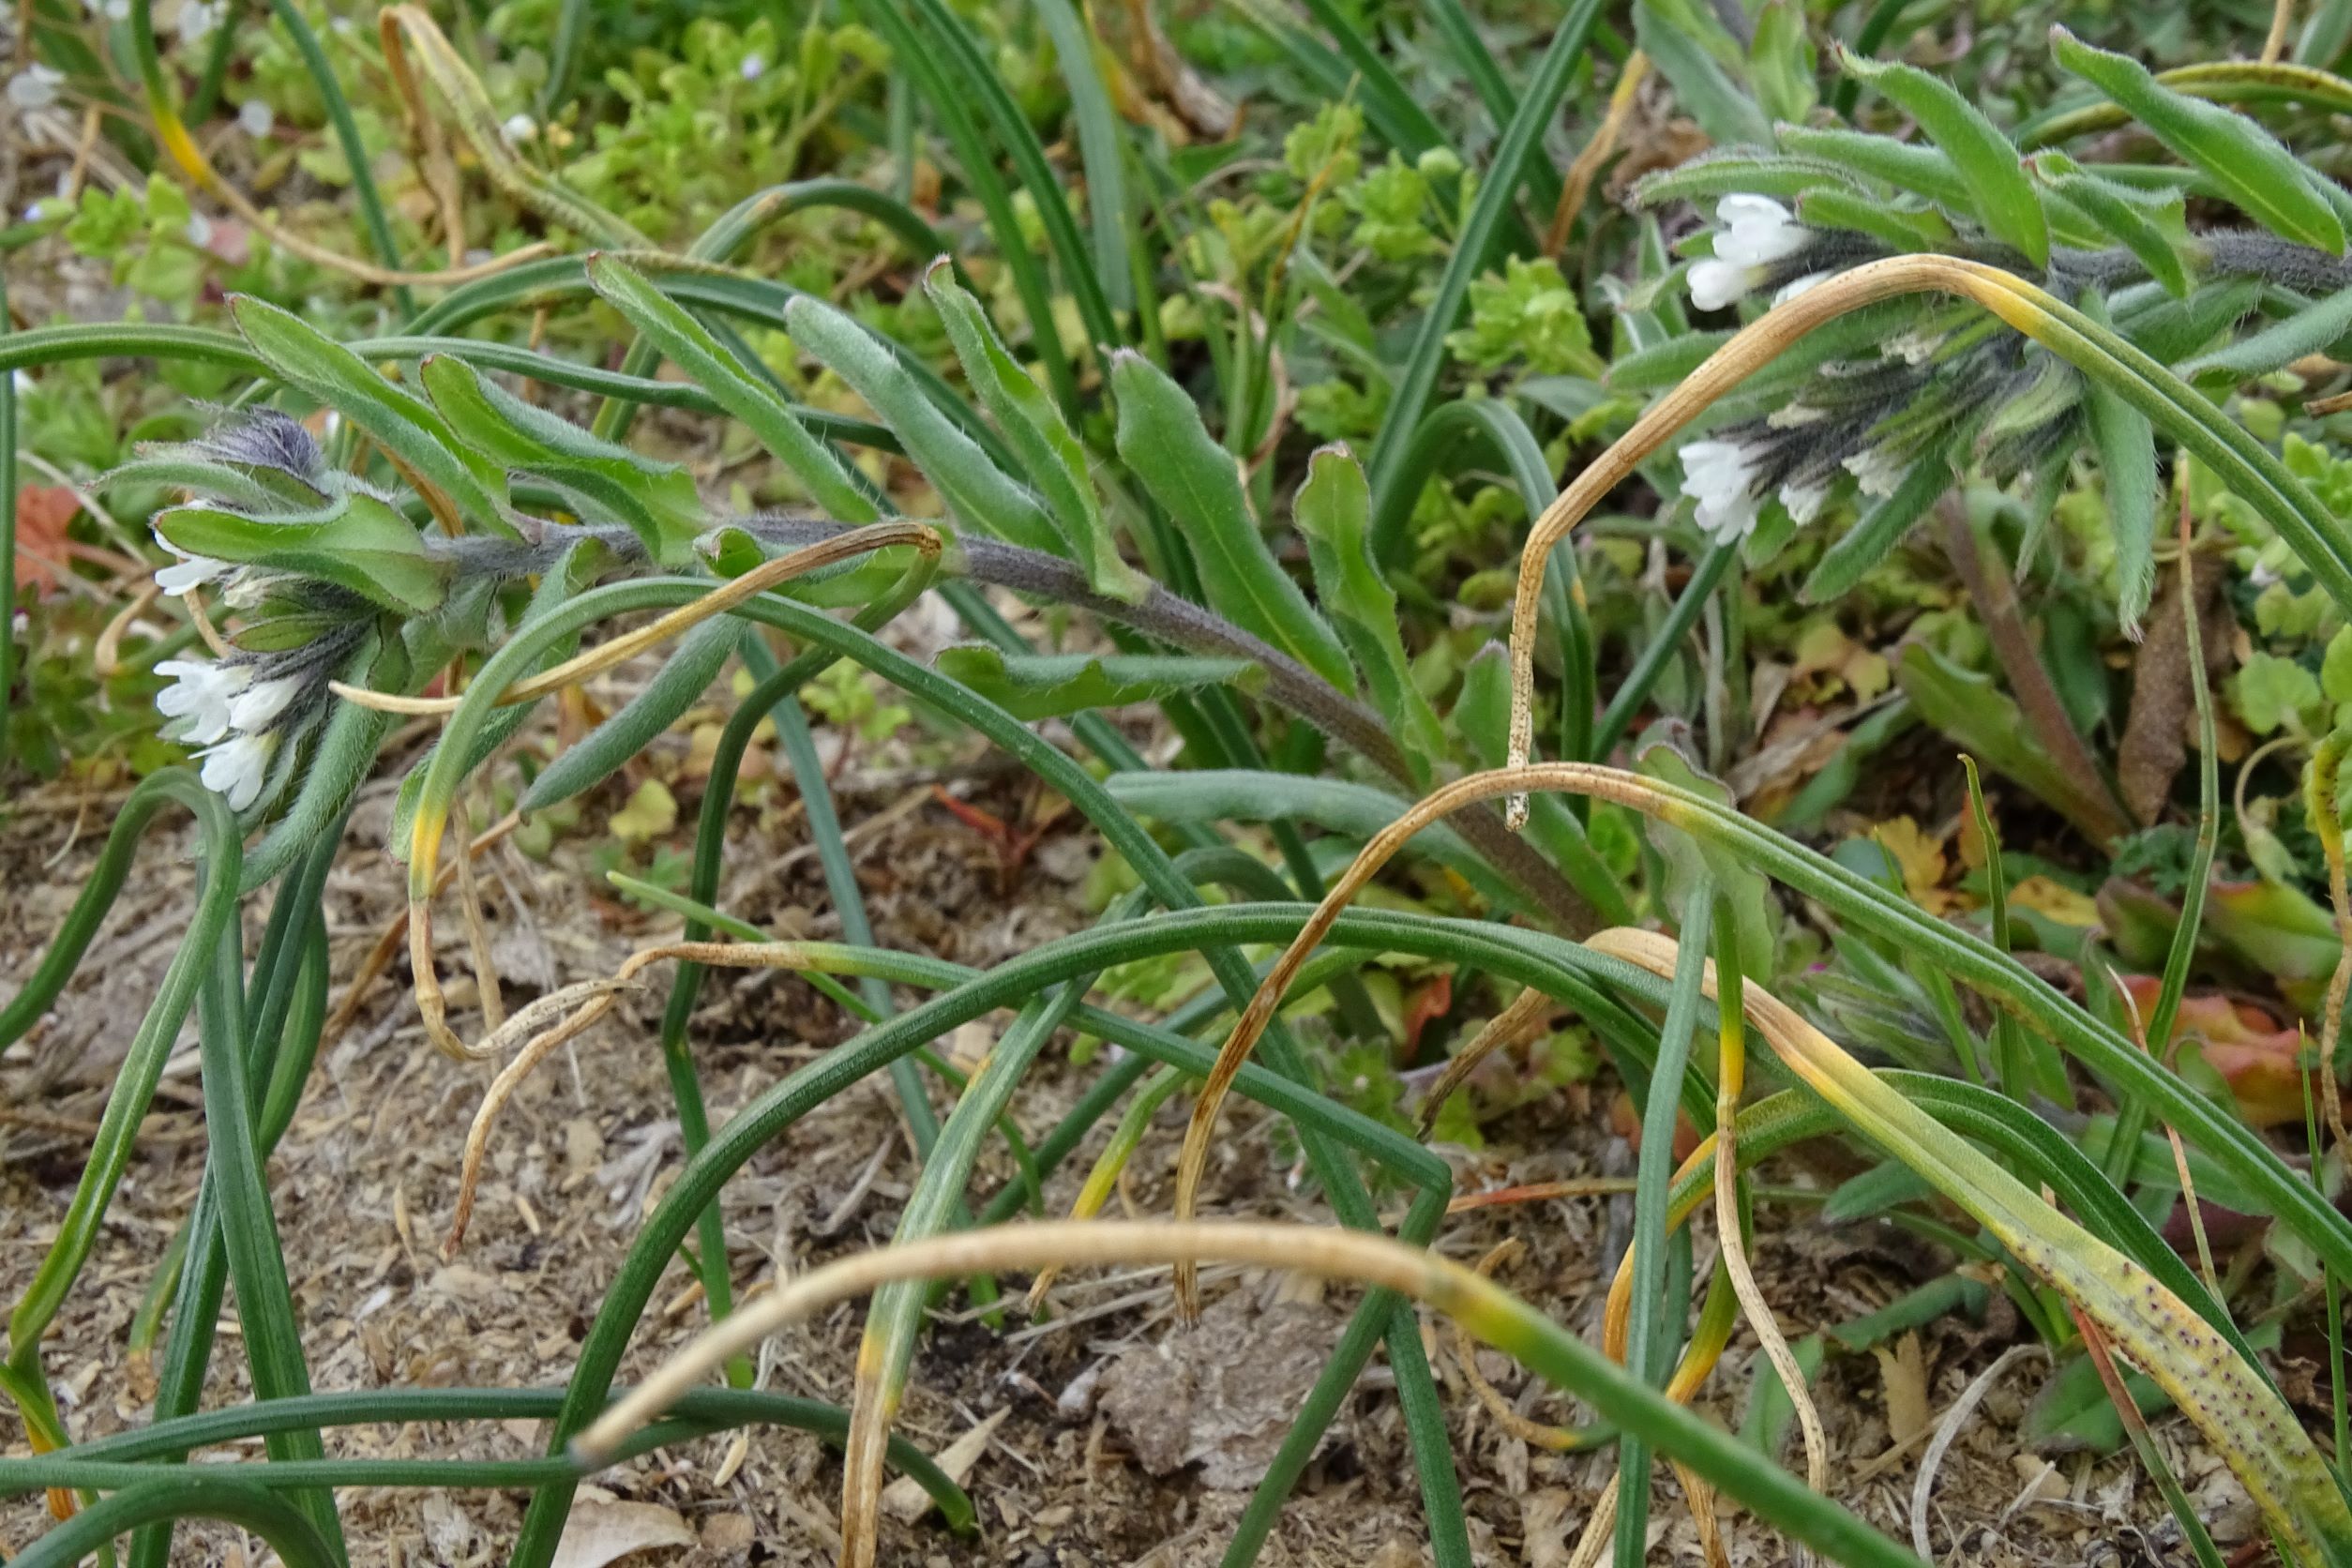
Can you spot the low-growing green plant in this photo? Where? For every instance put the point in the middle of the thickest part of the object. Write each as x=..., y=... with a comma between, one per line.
x=439, y=495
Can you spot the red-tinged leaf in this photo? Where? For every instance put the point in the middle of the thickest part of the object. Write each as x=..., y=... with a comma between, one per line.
x=1430, y=1004
x=2244, y=1047
x=42, y=512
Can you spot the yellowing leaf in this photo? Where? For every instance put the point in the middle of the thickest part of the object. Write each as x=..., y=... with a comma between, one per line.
x=1921, y=860
x=652, y=810
x=2055, y=901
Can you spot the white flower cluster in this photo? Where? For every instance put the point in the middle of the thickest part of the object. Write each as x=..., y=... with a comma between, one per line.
x=1753, y=234
x=230, y=707
x=230, y=711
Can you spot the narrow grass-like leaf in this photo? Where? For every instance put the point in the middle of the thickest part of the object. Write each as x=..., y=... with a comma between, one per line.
x=2248, y=163
x=294, y=1538
x=269, y=1329
x=924, y=66
x=2238, y=1410
x=757, y=1123
x=355, y=148
x=1099, y=138
x=1521, y=144
x=1654, y=1177
x=896, y=1317
x=972, y=74
x=1197, y=483
x=1721, y=105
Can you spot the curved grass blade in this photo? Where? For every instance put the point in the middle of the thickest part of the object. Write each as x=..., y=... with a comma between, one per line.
x=1521, y=144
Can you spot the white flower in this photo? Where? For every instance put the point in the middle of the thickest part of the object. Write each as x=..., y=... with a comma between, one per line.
x=1756, y=230
x=1716, y=283
x=753, y=68
x=188, y=571
x=198, y=697
x=521, y=127
x=1717, y=475
x=258, y=706
x=1877, y=470
x=1804, y=500
x=256, y=118
x=1752, y=234
x=198, y=18
x=236, y=769
x=33, y=88
x=199, y=230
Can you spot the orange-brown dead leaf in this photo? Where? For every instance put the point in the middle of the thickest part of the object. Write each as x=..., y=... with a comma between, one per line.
x=2242, y=1044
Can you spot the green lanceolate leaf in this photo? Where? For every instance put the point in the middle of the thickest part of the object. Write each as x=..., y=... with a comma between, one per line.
x=2127, y=460
x=612, y=744
x=1199, y=484
x=410, y=433
x=1332, y=512
x=976, y=490
x=355, y=541
x=1032, y=687
x=1038, y=436
x=1880, y=159
x=2148, y=226
x=1891, y=224
x=1988, y=165
x=657, y=501
x=2246, y=161
x=688, y=344
x=1746, y=893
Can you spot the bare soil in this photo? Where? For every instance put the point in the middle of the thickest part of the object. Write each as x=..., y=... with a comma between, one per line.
x=1124, y=1438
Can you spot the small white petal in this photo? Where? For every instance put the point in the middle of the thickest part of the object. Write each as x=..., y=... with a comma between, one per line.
x=199, y=697
x=754, y=67
x=199, y=230
x=236, y=769
x=258, y=706
x=1877, y=470
x=1716, y=283
x=1756, y=230
x=1804, y=501
x=521, y=127
x=189, y=571
x=1796, y=286
x=257, y=119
